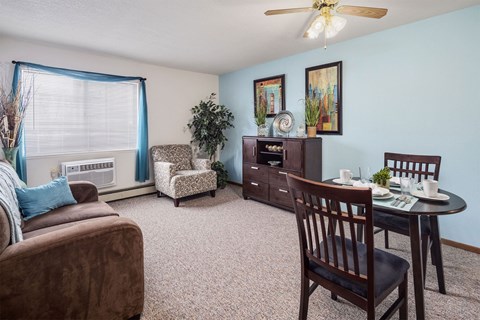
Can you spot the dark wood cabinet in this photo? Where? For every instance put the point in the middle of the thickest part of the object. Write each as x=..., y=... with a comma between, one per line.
x=267, y=183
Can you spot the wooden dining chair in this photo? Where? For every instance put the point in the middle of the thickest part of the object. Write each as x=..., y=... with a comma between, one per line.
x=332, y=257
x=417, y=167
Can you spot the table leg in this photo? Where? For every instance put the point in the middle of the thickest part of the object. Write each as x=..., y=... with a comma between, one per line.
x=417, y=267
x=437, y=247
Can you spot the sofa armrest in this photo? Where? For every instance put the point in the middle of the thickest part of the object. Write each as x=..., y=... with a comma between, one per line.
x=84, y=191
x=201, y=164
x=93, y=269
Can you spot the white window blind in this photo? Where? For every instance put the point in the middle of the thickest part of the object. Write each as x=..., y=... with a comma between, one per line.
x=67, y=115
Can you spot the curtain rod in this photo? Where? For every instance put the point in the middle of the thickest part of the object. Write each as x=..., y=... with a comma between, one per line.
x=142, y=79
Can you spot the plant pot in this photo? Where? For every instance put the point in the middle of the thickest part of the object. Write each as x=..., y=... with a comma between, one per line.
x=385, y=185
x=11, y=156
x=262, y=130
x=311, y=132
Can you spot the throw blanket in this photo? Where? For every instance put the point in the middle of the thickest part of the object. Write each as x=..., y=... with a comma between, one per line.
x=8, y=200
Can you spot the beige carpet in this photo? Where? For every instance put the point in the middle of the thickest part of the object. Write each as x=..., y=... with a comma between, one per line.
x=228, y=258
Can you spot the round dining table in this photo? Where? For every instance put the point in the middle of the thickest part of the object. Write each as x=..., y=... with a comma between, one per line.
x=432, y=209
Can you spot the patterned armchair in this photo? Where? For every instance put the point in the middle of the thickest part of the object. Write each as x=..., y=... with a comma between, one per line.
x=178, y=175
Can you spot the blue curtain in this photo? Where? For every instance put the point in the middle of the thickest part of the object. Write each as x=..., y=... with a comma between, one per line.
x=142, y=165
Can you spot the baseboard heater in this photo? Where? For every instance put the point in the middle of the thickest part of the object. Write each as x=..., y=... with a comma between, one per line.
x=100, y=172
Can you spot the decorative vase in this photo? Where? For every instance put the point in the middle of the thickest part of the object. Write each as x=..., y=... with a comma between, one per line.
x=311, y=132
x=11, y=156
x=262, y=130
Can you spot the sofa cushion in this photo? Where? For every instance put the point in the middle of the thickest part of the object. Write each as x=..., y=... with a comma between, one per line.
x=41, y=199
x=34, y=233
x=70, y=213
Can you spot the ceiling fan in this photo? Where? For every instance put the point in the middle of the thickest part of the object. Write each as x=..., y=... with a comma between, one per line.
x=327, y=21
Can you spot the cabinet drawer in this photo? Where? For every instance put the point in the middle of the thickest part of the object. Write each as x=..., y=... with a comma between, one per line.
x=281, y=195
x=278, y=176
x=255, y=189
x=255, y=172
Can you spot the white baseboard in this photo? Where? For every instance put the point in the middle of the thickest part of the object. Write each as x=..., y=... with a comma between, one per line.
x=124, y=194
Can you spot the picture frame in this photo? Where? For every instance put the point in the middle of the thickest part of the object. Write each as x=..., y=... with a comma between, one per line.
x=325, y=82
x=272, y=91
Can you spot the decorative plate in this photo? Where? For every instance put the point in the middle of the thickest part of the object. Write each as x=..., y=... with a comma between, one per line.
x=284, y=121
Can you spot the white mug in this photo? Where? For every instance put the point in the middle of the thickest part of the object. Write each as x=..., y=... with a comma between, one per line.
x=345, y=175
x=430, y=187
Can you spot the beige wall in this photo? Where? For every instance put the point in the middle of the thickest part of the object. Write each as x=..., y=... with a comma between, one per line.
x=171, y=93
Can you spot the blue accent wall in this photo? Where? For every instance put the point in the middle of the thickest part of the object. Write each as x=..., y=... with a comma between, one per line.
x=411, y=89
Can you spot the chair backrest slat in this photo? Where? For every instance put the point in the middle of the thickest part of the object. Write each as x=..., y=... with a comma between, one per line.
x=341, y=229
x=329, y=217
x=315, y=226
x=353, y=236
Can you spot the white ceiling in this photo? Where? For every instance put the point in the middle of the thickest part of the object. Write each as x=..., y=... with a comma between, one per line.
x=210, y=36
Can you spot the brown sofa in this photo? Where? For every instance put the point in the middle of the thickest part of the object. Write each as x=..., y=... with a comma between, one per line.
x=80, y=261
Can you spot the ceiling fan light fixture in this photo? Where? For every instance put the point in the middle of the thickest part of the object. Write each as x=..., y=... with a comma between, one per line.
x=334, y=25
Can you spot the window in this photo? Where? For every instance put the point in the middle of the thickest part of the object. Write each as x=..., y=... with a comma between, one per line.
x=67, y=115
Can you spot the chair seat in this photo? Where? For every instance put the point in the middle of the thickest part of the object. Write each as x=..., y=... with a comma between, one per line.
x=189, y=182
x=389, y=269
x=398, y=224
x=192, y=172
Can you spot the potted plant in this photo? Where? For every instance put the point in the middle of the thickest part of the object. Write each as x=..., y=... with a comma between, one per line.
x=312, y=115
x=208, y=124
x=13, y=106
x=382, y=177
x=260, y=118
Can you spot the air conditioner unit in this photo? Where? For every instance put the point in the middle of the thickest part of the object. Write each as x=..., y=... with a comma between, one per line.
x=101, y=172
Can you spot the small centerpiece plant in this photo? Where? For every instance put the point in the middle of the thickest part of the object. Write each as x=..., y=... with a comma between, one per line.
x=382, y=177
x=312, y=115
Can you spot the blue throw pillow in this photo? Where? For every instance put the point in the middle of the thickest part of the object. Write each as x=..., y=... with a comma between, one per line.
x=41, y=199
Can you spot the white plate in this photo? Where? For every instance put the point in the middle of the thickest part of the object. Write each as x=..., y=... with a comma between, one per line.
x=384, y=197
x=349, y=183
x=439, y=197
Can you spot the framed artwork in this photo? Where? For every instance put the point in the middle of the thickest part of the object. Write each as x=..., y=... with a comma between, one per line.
x=270, y=92
x=325, y=83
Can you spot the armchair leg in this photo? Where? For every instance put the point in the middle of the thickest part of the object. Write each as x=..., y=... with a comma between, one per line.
x=135, y=317
x=159, y=194
x=176, y=202
x=212, y=193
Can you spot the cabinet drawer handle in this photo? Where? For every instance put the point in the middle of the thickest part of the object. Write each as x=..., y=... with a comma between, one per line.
x=254, y=184
x=284, y=154
x=281, y=172
x=284, y=191
x=254, y=151
x=254, y=168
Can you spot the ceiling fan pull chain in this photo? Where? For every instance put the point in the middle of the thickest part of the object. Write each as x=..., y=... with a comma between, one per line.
x=325, y=40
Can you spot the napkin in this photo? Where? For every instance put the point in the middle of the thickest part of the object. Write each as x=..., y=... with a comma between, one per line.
x=395, y=180
x=376, y=190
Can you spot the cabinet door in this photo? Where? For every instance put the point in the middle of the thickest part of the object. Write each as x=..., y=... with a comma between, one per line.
x=293, y=155
x=249, y=150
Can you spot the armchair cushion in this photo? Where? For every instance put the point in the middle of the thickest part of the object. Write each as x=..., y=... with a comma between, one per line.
x=201, y=164
x=41, y=199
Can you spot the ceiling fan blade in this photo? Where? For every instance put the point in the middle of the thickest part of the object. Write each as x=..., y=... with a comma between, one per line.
x=292, y=10
x=367, y=12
